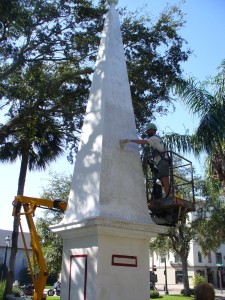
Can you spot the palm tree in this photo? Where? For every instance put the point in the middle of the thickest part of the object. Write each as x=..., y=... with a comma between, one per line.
x=207, y=101
x=36, y=142
x=45, y=107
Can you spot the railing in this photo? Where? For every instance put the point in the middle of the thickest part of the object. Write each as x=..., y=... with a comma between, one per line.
x=180, y=177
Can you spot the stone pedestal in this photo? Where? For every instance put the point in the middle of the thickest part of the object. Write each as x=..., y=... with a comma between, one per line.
x=106, y=259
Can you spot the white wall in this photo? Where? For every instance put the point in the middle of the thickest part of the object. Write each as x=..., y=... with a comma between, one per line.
x=209, y=269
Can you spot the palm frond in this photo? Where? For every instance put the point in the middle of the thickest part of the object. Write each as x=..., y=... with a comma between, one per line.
x=194, y=96
x=177, y=142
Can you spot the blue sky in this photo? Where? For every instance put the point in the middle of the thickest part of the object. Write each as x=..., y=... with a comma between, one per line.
x=204, y=31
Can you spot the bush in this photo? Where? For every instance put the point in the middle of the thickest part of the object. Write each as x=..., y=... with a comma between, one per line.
x=154, y=294
x=15, y=290
x=198, y=279
x=192, y=291
x=2, y=288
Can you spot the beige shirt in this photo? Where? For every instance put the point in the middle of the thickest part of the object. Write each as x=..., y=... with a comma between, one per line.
x=157, y=143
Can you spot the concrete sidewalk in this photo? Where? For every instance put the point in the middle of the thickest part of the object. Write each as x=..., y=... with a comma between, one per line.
x=220, y=295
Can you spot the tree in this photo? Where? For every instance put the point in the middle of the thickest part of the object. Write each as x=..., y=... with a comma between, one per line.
x=36, y=144
x=211, y=216
x=7, y=15
x=176, y=240
x=58, y=188
x=153, y=53
x=50, y=33
x=206, y=100
x=204, y=226
x=63, y=46
x=210, y=229
x=47, y=56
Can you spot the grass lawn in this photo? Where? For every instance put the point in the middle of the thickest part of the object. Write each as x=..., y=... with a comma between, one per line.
x=176, y=297
x=163, y=297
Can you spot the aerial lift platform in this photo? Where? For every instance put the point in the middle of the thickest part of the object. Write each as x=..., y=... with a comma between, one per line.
x=170, y=210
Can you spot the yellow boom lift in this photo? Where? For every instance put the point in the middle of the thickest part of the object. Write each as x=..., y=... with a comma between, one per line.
x=26, y=206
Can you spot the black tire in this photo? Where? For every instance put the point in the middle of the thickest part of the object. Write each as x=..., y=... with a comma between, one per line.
x=50, y=292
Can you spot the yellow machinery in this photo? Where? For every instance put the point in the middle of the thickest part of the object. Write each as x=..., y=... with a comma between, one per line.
x=38, y=268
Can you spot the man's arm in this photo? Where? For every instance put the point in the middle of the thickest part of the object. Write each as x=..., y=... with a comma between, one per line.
x=139, y=142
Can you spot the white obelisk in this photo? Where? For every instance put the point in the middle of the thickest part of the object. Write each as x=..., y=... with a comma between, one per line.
x=107, y=226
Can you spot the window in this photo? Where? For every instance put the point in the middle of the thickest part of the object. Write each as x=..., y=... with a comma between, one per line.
x=199, y=257
x=209, y=257
x=219, y=258
x=179, y=276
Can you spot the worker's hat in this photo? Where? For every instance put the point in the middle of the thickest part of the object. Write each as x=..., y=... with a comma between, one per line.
x=151, y=126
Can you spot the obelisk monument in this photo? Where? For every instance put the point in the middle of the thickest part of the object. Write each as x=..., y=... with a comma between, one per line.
x=107, y=226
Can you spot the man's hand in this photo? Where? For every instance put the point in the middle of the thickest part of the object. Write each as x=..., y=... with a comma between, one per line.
x=124, y=141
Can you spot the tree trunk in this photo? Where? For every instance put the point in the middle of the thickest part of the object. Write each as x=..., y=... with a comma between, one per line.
x=15, y=233
x=185, y=276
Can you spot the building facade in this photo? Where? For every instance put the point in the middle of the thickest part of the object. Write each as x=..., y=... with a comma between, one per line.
x=5, y=251
x=211, y=267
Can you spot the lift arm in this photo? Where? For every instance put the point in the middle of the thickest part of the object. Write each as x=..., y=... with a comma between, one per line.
x=38, y=268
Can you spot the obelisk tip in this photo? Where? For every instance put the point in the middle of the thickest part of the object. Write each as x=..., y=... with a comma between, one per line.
x=112, y=2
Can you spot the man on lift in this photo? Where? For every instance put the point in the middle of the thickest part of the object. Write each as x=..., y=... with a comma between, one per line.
x=161, y=159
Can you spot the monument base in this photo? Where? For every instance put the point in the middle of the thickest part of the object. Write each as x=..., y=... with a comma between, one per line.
x=105, y=259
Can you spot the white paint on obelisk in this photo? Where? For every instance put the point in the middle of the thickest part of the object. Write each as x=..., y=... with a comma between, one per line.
x=108, y=181
x=107, y=226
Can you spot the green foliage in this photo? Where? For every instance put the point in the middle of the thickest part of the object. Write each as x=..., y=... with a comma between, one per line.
x=58, y=188
x=206, y=100
x=48, y=72
x=198, y=279
x=190, y=290
x=51, y=245
x=205, y=229
x=151, y=92
x=210, y=229
x=160, y=245
x=2, y=288
x=7, y=15
x=15, y=290
x=154, y=294
x=210, y=211
x=177, y=240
